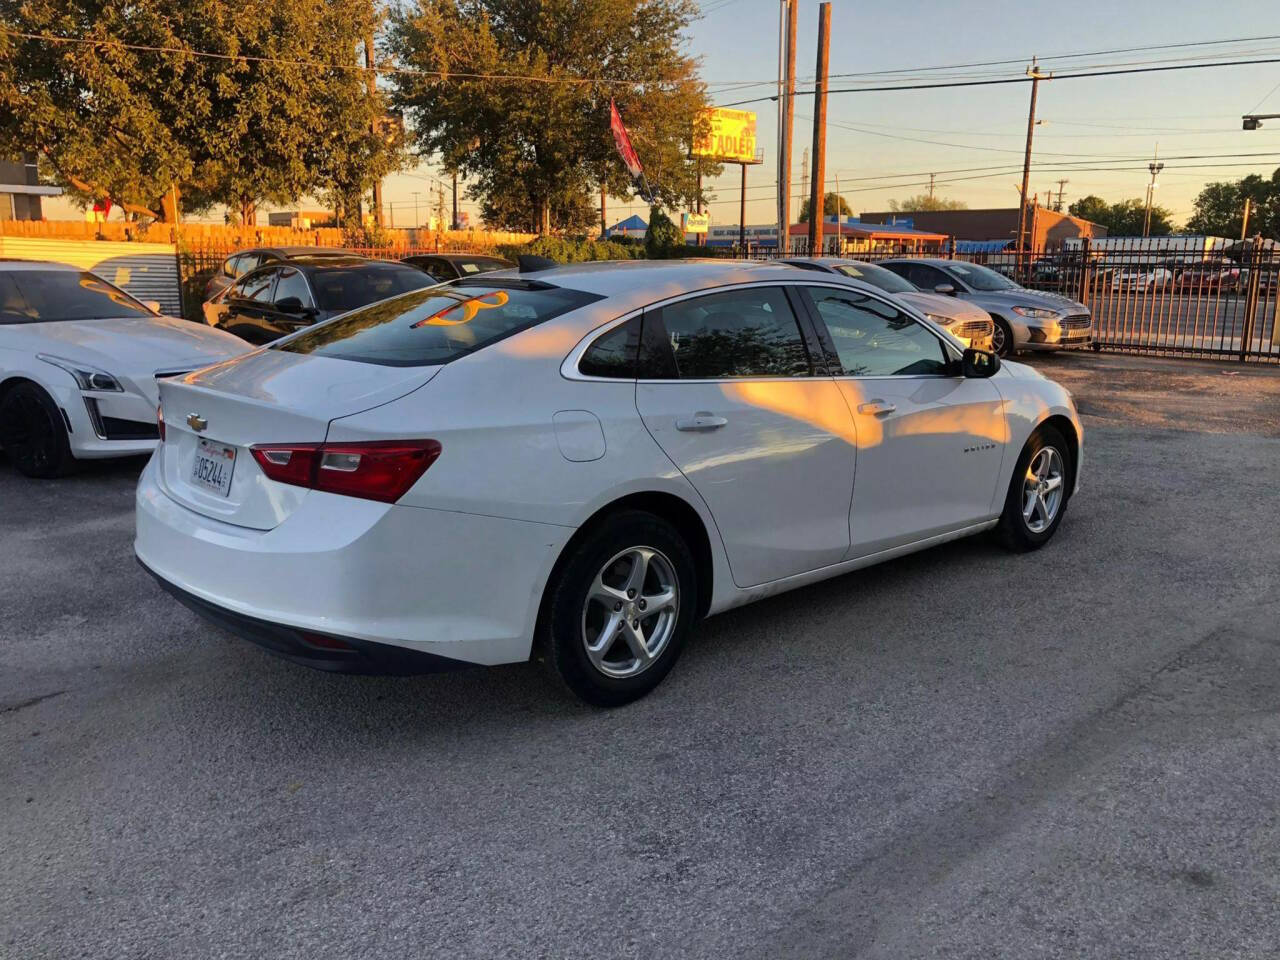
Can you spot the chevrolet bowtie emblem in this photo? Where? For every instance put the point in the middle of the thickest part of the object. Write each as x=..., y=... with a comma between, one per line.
x=196, y=422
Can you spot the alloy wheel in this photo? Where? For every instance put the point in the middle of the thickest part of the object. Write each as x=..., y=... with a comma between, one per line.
x=999, y=343
x=631, y=611
x=1042, y=489
x=28, y=432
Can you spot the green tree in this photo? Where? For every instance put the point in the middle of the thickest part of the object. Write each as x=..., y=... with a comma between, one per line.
x=830, y=204
x=663, y=237
x=1124, y=218
x=534, y=147
x=1219, y=208
x=132, y=124
x=922, y=201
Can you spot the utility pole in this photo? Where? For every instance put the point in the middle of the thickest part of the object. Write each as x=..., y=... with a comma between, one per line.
x=1061, y=184
x=416, y=221
x=742, y=213
x=455, y=199
x=819, y=130
x=931, y=186
x=1036, y=76
x=373, y=93
x=804, y=175
x=786, y=98
x=604, y=216
x=1244, y=224
x=1155, y=167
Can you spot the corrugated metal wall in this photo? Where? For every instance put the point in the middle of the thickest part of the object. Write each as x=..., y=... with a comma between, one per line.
x=149, y=271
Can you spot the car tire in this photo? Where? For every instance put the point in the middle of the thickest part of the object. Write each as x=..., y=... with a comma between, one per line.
x=587, y=603
x=34, y=434
x=1001, y=337
x=1033, y=507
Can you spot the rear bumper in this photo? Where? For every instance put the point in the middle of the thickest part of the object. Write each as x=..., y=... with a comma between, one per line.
x=310, y=649
x=456, y=586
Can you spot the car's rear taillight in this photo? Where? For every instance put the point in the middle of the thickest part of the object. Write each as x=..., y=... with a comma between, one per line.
x=374, y=470
x=160, y=422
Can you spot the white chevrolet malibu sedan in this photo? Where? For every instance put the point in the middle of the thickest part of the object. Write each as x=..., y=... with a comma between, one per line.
x=579, y=463
x=79, y=361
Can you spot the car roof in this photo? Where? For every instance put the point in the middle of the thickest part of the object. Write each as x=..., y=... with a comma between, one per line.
x=657, y=278
x=932, y=261
x=297, y=251
x=15, y=264
x=458, y=257
x=350, y=260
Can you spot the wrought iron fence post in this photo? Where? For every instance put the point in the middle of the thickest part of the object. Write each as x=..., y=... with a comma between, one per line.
x=1086, y=275
x=1251, y=296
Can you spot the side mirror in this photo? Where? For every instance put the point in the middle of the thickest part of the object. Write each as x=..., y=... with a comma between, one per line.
x=152, y=305
x=292, y=305
x=979, y=364
x=946, y=289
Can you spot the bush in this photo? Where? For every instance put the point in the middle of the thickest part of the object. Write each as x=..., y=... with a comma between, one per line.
x=571, y=249
x=663, y=238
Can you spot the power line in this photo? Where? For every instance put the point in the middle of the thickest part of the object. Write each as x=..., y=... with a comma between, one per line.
x=1007, y=80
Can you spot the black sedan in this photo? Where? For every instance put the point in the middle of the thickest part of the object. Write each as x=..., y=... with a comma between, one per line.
x=442, y=267
x=242, y=261
x=278, y=299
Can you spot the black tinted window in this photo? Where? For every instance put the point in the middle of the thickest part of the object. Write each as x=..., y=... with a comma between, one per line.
x=614, y=353
x=255, y=286
x=339, y=289
x=738, y=333
x=873, y=339
x=33, y=296
x=435, y=325
x=926, y=277
x=292, y=285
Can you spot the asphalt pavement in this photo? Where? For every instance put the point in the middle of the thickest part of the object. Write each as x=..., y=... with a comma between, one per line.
x=962, y=753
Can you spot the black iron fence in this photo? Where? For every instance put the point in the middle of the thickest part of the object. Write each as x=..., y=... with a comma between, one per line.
x=1156, y=296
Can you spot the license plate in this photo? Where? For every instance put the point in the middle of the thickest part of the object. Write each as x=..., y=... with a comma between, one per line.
x=213, y=466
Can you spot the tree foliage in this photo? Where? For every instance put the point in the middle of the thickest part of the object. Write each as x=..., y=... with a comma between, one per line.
x=662, y=238
x=924, y=202
x=129, y=124
x=830, y=205
x=1219, y=209
x=538, y=150
x=1124, y=218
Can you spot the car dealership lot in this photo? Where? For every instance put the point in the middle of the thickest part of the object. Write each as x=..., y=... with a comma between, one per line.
x=960, y=753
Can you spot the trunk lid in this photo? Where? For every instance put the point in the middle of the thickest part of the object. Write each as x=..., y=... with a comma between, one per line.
x=214, y=415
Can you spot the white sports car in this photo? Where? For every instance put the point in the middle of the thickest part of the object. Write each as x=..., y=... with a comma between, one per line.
x=581, y=462
x=79, y=361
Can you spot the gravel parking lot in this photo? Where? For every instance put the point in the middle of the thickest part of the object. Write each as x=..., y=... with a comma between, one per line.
x=962, y=753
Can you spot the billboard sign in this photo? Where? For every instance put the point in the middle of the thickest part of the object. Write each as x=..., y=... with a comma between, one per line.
x=730, y=136
x=695, y=222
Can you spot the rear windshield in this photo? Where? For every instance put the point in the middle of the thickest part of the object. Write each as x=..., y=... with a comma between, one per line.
x=466, y=267
x=36, y=296
x=339, y=289
x=437, y=324
x=886, y=280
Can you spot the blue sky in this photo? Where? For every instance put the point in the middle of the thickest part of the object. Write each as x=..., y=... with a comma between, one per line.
x=1117, y=121
x=1120, y=119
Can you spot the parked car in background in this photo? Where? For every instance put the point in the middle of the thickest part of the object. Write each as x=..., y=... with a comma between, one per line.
x=285, y=297
x=969, y=324
x=1210, y=277
x=1142, y=279
x=1023, y=319
x=584, y=461
x=242, y=261
x=79, y=361
x=442, y=267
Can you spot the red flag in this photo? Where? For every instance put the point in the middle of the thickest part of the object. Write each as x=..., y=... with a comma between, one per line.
x=623, y=142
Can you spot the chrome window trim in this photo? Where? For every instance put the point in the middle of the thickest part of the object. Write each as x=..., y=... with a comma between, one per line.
x=569, y=366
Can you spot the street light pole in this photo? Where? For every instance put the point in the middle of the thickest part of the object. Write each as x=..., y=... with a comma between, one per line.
x=1155, y=167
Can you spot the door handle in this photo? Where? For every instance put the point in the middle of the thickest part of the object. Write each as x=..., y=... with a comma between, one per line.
x=877, y=407
x=701, y=421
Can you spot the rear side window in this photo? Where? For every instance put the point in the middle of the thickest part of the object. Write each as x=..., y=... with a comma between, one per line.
x=739, y=333
x=614, y=353
x=255, y=286
x=436, y=324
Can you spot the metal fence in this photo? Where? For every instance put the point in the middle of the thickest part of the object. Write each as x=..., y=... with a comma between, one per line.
x=1145, y=299
x=1218, y=303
